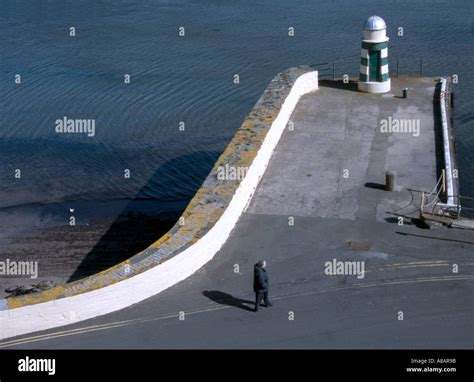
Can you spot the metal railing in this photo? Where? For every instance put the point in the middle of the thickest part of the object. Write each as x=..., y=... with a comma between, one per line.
x=412, y=66
x=455, y=210
x=439, y=208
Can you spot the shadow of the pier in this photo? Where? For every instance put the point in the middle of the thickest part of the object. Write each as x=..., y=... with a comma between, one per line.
x=141, y=222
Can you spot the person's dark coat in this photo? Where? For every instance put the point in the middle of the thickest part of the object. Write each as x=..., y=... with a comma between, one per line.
x=260, y=279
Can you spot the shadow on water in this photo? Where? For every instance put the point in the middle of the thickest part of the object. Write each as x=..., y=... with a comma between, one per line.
x=141, y=222
x=227, y=299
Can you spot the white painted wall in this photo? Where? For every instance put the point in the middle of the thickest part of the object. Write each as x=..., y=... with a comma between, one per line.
x=138, y=288
x=446, y=146
x=374, y=87
x=375, y=36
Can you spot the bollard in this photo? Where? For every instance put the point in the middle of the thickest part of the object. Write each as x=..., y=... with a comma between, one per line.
x=391, y=181
x=405, y=93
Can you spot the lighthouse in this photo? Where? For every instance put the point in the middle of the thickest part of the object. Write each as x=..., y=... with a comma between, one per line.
x=374, y=76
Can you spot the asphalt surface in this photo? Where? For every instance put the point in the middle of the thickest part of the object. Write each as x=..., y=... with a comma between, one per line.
x=417, y=288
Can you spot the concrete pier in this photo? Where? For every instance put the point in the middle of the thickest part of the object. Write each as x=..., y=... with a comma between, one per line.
x=333, y=164
x=321, y=200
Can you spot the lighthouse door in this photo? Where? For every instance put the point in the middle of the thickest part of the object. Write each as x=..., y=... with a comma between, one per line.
x=374, y=65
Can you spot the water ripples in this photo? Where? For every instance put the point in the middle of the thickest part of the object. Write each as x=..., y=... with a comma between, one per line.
x=180, y=79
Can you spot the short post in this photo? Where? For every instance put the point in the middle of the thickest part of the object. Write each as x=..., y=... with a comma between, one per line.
x=391, y=181
x=405, y=93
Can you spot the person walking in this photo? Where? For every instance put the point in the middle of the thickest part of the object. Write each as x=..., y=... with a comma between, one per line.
x=260, y=284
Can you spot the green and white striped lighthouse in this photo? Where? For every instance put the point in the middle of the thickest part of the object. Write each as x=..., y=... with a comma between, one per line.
x=374, y=77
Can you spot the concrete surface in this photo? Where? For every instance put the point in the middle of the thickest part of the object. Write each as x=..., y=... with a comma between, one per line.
x=337, y=130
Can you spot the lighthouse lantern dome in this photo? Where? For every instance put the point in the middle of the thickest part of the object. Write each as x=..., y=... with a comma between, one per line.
x=375, y=29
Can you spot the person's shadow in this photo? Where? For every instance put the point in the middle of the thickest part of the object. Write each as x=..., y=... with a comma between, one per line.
x=227, y=299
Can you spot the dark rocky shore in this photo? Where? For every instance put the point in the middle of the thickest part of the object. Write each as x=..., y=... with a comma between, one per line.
x=66, y=253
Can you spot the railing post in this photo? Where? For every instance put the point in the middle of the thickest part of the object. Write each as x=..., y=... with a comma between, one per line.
x=459, y=207
x=443, y=182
